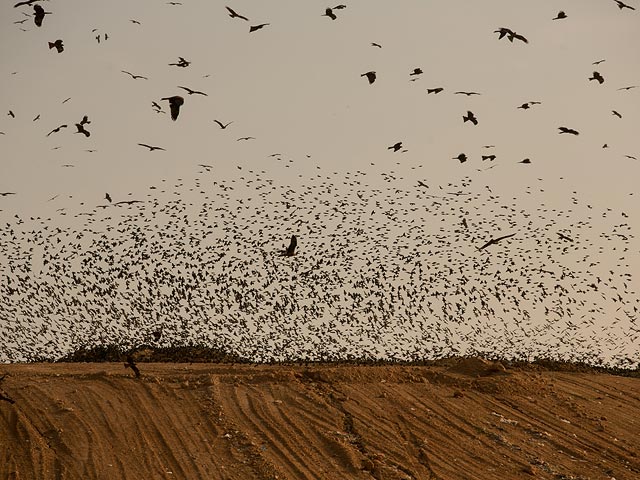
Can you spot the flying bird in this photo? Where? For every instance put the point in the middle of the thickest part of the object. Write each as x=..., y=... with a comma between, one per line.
x=371, y=76
x=233, y=14
x=374, y=44
x=395, y=147
x=416, y=71
x=291, y=249
x=527, y=105
x=468, y=94
x=568, y=130
x=491, y=158
x=81, y=129
x=223, y=125
x=253, y=28
x=39, y=15
x=435, y=90
x=107, y=197
x=462, y=158
x=175, y=103
x=151, y=147
x=564, y=237
x=560, y=16
x=622, y=6
x=526, y=161
x=193, y=92
x=56, y=130
x=493, y=241
x=470, y=117
x=329, y=13
x=598, y=77
x=617, y=114
x=181, y=63
x=27, y=2
x=11, y=114
x=510, y=34
x=135, y=77
x=58, y=46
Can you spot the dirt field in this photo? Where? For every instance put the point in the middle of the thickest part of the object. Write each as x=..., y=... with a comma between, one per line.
x=462, y=419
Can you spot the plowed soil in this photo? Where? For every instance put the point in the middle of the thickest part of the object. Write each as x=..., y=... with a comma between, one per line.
x=461, y=419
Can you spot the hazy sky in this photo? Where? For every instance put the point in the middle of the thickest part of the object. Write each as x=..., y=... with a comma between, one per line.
x=296, y=86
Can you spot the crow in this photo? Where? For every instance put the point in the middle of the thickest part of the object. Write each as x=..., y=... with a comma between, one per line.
x=435, y=90
x=233, y=14
x=371, y=76
x=470, y=118
x=223, y=125
x=253, y=28
x=560, y=16
x=175, y=103
x=395, y=147
x=329, y=13
x=568, y=130
x=598, y=77
x=462, y=158
x=493, y=241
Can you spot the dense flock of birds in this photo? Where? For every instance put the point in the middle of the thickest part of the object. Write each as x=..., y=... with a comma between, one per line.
x=335, y=267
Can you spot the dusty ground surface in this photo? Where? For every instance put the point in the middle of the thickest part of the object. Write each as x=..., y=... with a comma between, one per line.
x=461, y=419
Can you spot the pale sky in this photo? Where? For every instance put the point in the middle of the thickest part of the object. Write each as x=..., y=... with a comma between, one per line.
x=296, y=86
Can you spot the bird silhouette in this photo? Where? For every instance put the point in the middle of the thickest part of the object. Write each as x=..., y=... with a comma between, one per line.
x=107, y=197
x=81, y=129
x=462, y=158
x=628, y=88
x=470, y=117
x=39, y=14
x=527, y=105
x=491, y=158
x=617, y=114
x=560, y=16
x=374, y=44
x=233, y=14
x=526, y=161
x=150, y=147
x=193, y=92
x=253, y=28
x=598, y=77
x=57, y=45
x=175, y=103
x=468, y=94
x=329, y=13
x=371, y=76
x=135, y=77
x=223, y=125
x=395, y=147
x=26, y=2
x=56, y=130
x=181, y=63
x=622, y=5
x=416, y=71
x=510, y=34
x=493, y=241
x=568, y=130
x=291, y=249
x=435, y=90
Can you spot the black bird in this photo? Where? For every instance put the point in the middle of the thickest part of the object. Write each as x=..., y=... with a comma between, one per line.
x=58, y=46
x=598, y=62
x=462, y=158
x=493, y=241
x=468, y=94
x=598, y=77
x=81, y=129
x=416, y=71
x=371, y=76
x=27, y=2
x=339, y=7
x=568, y=130
x=39, y=15
x=616, y=114
x=151, y=147
x=233, y=14
x=56, y=130
x=135, y=77
x=11, y=114
x=560, y=16
x=628, y=88
x=374, y=44
x=37, y=117
x=253, y=28
x=181, y=63
x=193, y=92
x=526, y=161
x=470, y=118
x=4, y=194
x=564, y=237
x=245, y=138
x=107, y=197
x=175, y=103
x=395, y=147
x=435, y=90
x=132, y=365
x=527, y=105
x=291, y=249
x=622, y=6
x=510, y=34
x=223, y=125
x=85, y=120
x=329, y=13
x=488, y=157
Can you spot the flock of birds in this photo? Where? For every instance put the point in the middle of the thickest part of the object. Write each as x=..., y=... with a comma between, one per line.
x=337, y=267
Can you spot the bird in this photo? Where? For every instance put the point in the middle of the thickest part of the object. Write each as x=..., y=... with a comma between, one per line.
x=81, y=129
x=175, y=103
x=26, y=2
x=135, y=77
x=11, y=114
x=395, y=147
x=223, y=125
x=39, y=15
x=598, y=77
x=491, y=158
x=526, y=161
x=416, y=71
x=253, y=28
x=527, y=105
x=631, y=157
x=150, y=147
x=233, y=14
x=560, y=16
x=493, y=241
x=329, y=13
x=37, y=117
x=510, y=34
x=193, y=92
x=291, y=249
x=468, y=94
x=598, y=62
x=181, y=63
x=374, y=44
x=628, y=88
x=617, y=114
x=56, y=130
x=470, y=117
x=107, y=197
x=245, y=138
x=434, y=90
x=4, y=194
x=371, y=76
x=564, y=237
x=135, y=21
x=568, y=130
x=462, y=158
x=132, y=365
x=58, y=46
x=622, y=5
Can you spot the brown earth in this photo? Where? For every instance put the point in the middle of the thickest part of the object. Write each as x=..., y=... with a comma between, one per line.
x=459, y=419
